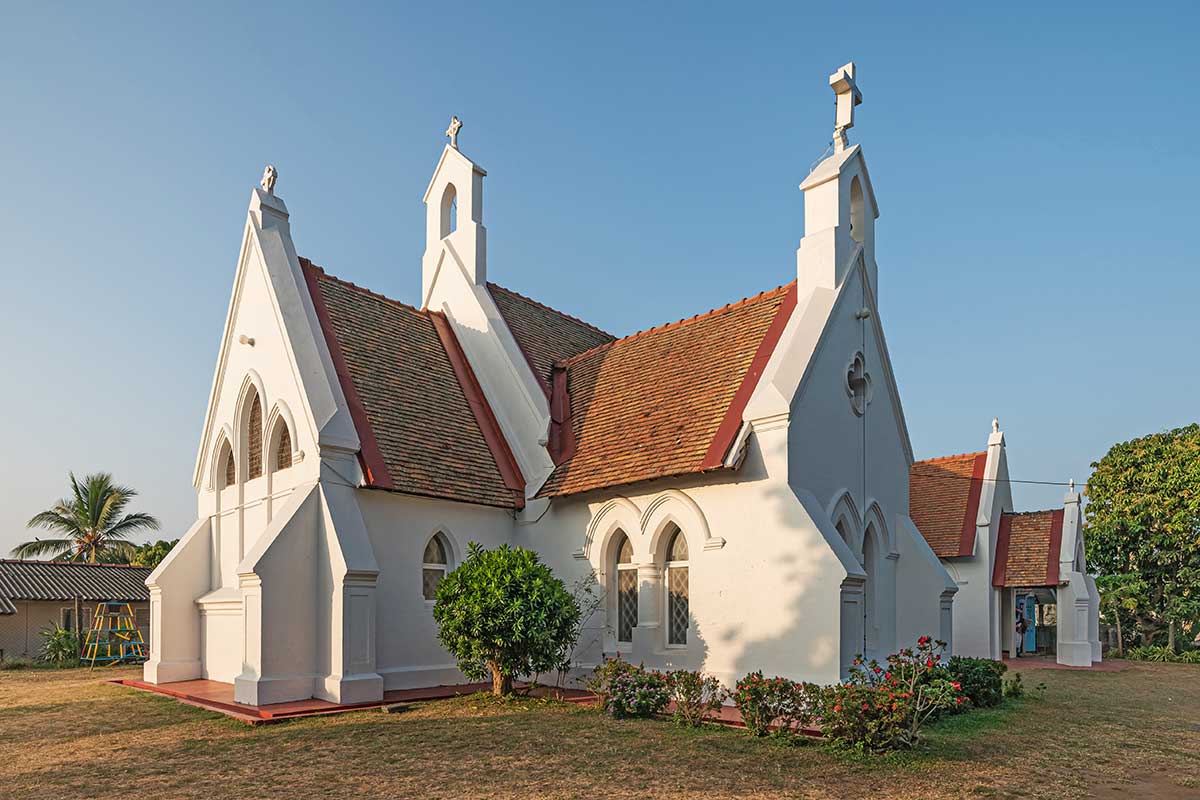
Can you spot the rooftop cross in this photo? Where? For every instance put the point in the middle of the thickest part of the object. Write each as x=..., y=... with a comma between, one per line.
x=452, y=131
x=270, y=175
x=848, y=96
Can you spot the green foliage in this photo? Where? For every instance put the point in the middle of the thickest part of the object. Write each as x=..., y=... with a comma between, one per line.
x=981, y=679
x=600, y=681
x=1143, y=521
x=883, y=707
x=1014, y=687
x=150, y=555
x=1163, y=655
x=90, y=523
x=778, y=704
x=502, y=611
x=60, y=647
x=695, y=695
x=637, y=693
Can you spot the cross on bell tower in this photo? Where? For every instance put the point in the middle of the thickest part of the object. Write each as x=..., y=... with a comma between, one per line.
x=848, y=96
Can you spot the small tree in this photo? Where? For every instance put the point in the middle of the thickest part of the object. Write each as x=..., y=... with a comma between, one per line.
x=91, y=524
x=502, y=611
x=151, y=554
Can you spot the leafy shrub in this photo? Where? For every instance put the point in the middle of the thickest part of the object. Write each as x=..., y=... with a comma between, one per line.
x=60, y=647
x=883, y=706
x=767, y=703
x=982, y=679
x=600, y=681
x=1163, y=654
x=695, y=695
x=502, y=611
x=1014, y=687
x=637, y=693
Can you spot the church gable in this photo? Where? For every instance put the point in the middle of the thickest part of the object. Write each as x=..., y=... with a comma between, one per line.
x=1027, y=549
x=424, y=427
x=663, y=402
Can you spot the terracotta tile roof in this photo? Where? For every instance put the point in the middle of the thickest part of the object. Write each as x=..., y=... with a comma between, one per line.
x=1027, y=549
x=59, y=580
x=666, y=401
x=422, y=421
x=943, y=501
x=545, y=335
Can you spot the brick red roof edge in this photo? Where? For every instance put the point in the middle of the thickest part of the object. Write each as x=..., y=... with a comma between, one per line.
x=370, y=458
x=1004, y=545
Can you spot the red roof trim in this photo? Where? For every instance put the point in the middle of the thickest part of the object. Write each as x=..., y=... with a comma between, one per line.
x=562, y=430
x=510, y=471
x=732, y=422
x=1000, y=570
x=369, y=456
x=966, y=545
x=1056, y=532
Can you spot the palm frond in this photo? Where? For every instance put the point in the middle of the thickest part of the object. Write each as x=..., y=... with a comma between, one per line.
x=40, y=547
x=131, y=523
x=55, y=519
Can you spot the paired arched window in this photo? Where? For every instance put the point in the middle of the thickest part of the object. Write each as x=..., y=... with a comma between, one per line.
x=626, y=586
x=434, y=565
x=676, y=567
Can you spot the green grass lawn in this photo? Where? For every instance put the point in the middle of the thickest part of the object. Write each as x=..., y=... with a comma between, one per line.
x=65, y=734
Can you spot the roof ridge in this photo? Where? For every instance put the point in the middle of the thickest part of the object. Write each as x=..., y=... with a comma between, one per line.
x=939, y=459
x=540, y=304
x=678, y=323
x=41, y=563
x=1027, y=513
x=362, y=289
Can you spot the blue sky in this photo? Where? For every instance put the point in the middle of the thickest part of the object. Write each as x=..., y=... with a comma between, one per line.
x=1033, y=167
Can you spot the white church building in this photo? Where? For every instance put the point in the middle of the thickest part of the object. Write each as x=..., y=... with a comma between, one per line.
x=1006, y=564
x=737, y=482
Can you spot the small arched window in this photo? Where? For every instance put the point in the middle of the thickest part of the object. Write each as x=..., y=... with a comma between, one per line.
x=678, y=617
x=229, y=469
x=283, y=446
x=449, y=211
x=433, y=567
x=626, y=590
x=858, y=220
x=254, y=439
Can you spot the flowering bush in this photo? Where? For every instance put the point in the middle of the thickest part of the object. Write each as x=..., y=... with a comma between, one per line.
x=982, y=679
x=779, y=703
x=695, y=695
x=883, y=706
x=603, y=675
x=637, y=693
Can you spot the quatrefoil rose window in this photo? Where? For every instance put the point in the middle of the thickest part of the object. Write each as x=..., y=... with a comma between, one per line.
x=858, y=384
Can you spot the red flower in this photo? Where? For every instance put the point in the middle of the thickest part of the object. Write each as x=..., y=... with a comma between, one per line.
x=960, y=700
x=929, y=663
x=924, y=640
x=957, y=686
x=865, y=706
x=837, y=708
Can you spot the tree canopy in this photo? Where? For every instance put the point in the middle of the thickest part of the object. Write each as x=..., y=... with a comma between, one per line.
x=1143, y=521
x=503, y=611
x=90, y=523
x=151, y=553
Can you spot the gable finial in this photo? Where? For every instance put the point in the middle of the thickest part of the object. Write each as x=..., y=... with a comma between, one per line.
x=848, y=96
x=452, y=131
x=1071, y=484
x=270, y=175
x=995, y=424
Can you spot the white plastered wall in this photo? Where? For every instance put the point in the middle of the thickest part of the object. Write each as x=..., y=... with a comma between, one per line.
x=1077, y=598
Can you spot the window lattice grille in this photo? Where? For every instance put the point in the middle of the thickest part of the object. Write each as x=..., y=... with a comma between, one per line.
x=677, y=602
x=627, y=604
x=230, y=470
x=430, y=578
x=283, y=456
x=255, y=440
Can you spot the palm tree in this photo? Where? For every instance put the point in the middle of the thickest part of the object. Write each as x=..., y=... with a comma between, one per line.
x=90, y=521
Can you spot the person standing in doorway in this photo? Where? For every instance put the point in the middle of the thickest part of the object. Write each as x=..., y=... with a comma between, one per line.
x=1021, y=627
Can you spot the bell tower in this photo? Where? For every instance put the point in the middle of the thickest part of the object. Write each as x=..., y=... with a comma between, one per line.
x=454, y=233
x=839, y=203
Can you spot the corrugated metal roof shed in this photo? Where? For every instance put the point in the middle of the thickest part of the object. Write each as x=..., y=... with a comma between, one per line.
x=57, y=580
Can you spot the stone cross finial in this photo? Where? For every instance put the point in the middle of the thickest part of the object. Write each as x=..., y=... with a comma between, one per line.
x=1072, y=485
x=270, y=174
x=848, y=96
x=452, y=131
x=995, y=424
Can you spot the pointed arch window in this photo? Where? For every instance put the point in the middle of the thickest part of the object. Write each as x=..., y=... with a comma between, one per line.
x=254, y=439
x=678, y=616
x=283, y=445
x=434, y=566
x=229, y=469
x=626, y=585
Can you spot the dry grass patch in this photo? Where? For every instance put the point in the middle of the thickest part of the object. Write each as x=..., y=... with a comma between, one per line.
x=68, y=734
